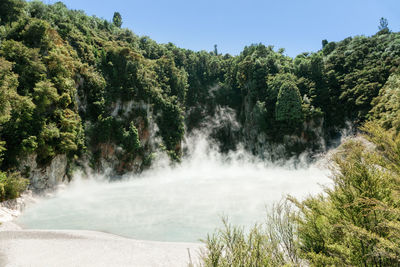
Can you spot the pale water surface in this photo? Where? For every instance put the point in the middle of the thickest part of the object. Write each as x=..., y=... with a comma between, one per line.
x=181, y=203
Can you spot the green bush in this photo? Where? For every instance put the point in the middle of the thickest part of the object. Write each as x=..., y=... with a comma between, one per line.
x=11, y=185
x=357, y=222
x=271, y=244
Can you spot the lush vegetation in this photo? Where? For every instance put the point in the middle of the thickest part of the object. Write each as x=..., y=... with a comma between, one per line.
x=355, y=223
x=89, y=89
x=11, y=185
x=273, y=243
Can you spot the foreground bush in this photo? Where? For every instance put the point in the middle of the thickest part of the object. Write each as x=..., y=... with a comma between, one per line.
x=11, y=185
x=355, y=223
x=358, y=222
x=271, y=244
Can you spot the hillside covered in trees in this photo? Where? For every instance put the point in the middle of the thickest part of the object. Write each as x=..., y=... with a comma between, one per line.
x=91, y=91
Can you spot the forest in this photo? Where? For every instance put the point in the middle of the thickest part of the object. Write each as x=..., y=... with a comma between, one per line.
x=89, y=89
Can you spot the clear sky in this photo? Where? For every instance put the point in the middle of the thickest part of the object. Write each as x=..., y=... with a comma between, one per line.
x=296, y=25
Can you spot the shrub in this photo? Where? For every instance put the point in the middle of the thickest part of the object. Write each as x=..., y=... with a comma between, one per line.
x=11, y=185
x=271, y=244
x=357, y=222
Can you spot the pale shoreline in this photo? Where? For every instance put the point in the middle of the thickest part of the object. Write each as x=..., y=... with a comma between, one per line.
x=41, y=248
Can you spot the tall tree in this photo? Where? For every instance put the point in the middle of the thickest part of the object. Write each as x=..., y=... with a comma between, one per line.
x=324, y=43
x=288, y=104
x=117, y=19
x=383, y=24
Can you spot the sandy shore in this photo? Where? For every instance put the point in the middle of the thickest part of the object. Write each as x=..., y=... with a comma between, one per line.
x=65, y=248
x=88, y=248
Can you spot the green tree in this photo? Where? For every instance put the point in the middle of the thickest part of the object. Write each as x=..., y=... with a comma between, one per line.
x=131, y=141
x=10, y=10
x=8, y=89
x=117, y=19
x=45, y=95
x=288, y=104
x=386, y=106
x=27, y=64
x=324, y=43
x=215, y=50
x=383, y=24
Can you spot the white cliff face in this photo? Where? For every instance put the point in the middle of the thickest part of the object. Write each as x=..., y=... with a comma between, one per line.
x=48, y=177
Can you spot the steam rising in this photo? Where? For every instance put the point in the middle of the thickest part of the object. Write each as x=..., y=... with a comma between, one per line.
x=176, y=203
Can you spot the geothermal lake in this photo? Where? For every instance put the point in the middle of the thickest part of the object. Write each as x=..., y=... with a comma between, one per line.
x=181, y=203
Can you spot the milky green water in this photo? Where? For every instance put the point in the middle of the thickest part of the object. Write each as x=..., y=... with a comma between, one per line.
x=174, y=204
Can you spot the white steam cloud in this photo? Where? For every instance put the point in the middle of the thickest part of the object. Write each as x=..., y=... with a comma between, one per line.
x=183, y=202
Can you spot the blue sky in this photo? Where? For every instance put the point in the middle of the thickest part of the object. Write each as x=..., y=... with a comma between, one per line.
x=296, y=25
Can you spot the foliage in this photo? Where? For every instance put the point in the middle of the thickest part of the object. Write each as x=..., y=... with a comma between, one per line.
x=383, y=24
x=10, y=10
x=72, y=83
x=131, y=139
x=386, y=106
x=117, y=19
x=42, y=118
x=271, y=244
x=11, y=185
x=288, y=104
x=357, y=222
x=8, y=89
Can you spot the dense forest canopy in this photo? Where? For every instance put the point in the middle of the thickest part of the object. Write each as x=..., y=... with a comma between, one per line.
x=84, y=87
